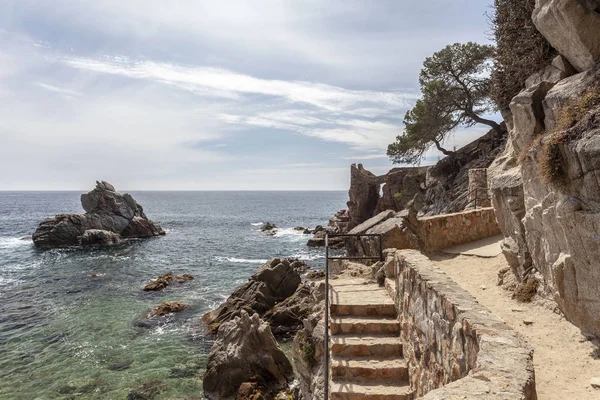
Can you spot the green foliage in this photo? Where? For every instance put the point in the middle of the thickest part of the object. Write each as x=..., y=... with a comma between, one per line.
x=455, y=91
x=520, y=49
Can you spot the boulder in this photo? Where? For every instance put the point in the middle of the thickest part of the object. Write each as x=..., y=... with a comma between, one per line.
x=165, y=280
x=245, y=351
x=269, y=228
x=272, y=283
x=571, y=27
x=109, y=217
x=287, y=316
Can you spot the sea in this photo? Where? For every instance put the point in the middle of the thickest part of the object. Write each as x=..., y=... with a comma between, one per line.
x=69, y=318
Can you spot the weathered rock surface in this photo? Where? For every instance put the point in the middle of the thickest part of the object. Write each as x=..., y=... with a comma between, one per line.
x=309, y=347
x=549, y=208
x=109, y=217
x=245, y=352
x=442, y=187
x=286, y=317
x=571, y=26
x=271, y=284
x=165, y=280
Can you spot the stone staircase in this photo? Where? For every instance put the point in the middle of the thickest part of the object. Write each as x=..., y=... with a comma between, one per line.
x=366, y=352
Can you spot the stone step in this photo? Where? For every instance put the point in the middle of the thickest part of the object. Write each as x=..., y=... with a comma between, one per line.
x=362, y=346
x=343, y=390
x=364, y=310
x=364, y=325
x=368, y=369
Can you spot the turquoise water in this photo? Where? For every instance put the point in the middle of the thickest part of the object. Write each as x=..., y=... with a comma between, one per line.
x=67, y=334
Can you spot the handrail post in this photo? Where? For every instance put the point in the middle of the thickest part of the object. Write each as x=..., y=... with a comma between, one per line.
x=476, y=195
x=326, y=383
x=380, y=248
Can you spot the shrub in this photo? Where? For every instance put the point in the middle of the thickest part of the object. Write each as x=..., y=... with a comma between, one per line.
x=571, y=124
x=521, y=49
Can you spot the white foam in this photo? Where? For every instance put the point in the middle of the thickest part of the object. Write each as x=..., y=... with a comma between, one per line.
x=241, y=260
x=291, y=233
x=13, y=242
x=256, y=224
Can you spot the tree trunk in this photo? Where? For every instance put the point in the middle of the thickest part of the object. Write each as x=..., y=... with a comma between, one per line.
x=440, y=148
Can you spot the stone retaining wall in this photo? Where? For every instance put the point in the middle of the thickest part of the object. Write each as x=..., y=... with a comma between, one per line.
x=447, y=230
x=428, y=234
x=455, y=347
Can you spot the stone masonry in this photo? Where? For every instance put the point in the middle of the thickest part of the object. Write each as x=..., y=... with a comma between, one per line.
x=455, y=348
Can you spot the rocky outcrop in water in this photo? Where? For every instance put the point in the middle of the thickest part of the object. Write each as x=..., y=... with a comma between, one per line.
x=271, y=284
x=246, y=357
x=109, y=217
x=165, y=280
x=546, y=186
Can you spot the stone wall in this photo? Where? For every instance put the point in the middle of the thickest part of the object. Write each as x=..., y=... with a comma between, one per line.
x=428, y=234
x=443, y=231
x=455, y=347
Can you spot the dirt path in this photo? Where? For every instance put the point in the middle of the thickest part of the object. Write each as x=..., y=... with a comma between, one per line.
x=562, y=358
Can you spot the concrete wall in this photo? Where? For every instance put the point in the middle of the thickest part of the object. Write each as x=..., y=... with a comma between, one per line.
x=455, y=347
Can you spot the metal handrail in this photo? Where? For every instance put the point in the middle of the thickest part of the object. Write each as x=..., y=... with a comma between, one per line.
x=327, y=258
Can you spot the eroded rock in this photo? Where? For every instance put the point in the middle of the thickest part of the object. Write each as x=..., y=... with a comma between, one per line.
x=109, y=217
x=272, y=283
x=245, y=352
x=571, y=26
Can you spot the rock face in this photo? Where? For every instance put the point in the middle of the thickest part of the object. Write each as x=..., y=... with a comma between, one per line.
x=245, y=352
x=546, y=186
x=272, y=283
x=442, y=187
x=309, y=347
x=571, y=26
x=109, y=217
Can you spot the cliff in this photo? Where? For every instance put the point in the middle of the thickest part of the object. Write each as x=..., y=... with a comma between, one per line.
x=440, y=189
x=545, y=185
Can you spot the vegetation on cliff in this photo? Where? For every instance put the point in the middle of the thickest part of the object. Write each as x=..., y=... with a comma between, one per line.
x=455, y=85
x=521, y=49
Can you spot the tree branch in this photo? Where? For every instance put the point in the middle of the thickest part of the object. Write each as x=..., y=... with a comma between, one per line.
x=440, y=148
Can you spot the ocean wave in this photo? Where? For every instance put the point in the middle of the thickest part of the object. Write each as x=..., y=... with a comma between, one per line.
x=12, y=242
x=256, y=224
x=291, y=233
x=240, y=260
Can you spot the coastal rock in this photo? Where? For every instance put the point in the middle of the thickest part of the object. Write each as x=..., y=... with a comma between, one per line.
x=308, y=349
x=169, y=307
x=245, y=351
x=287, y=316
x=272, y=283
x=109, y=217
x=165, y=280
x=269, y=228
x=99, y=236
x=571, y=26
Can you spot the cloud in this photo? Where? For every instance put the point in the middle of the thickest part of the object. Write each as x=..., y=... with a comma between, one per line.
x=228, y=84
x=67, y=92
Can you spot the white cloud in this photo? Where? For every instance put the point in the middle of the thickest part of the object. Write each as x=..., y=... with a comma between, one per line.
x=59, y=90
x=229, y=84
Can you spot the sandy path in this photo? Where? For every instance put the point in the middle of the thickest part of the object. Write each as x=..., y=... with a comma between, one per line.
x=563, y=364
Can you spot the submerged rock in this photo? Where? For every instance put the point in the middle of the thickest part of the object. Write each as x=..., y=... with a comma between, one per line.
x=169, y=307
x=147, y=391
x=269, y=228
x=246, y=352
x=109, y=217
x=165, y=280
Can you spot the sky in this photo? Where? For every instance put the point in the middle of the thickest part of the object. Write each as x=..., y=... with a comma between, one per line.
x=214, y=95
